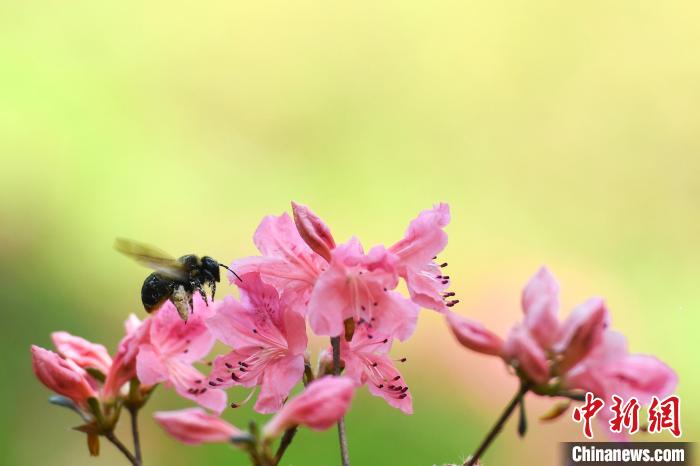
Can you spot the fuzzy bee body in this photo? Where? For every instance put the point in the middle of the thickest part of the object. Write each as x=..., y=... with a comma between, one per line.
x=175, y=280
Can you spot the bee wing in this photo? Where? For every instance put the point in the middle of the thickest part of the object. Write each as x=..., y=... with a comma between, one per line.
x=151, y=257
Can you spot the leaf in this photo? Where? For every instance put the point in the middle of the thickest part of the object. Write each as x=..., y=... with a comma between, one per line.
x=522, y=418
x=93, y=443
x=63, y=402
x=556, y=410
x=95, y=374
x=89, y=428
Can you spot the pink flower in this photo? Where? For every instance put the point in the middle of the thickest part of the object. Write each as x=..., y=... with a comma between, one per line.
x=423, y=241
x=173, y=346
x=474, y=335
x=123, y=367
x=85, y=354
x=580, y=350
x=194, y=426
x=318, y=407
x=366, y=362
x=359, y=286
x=610, y=370
x=62, y=376
x=287, y=262
x=313, y=231
x=269, y=338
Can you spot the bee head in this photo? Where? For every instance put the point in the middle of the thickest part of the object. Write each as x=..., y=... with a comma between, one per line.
x=211, y=266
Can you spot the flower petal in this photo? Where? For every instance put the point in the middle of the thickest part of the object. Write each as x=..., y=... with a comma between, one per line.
x=425, y=288
x=149, y=366
x=581, y=332
x=522, y=351
x=540, y=304
x=424, y=237
x=329, y=302
x=190, y=340
x=278, y=379
x=184, y=378
x=82, y=352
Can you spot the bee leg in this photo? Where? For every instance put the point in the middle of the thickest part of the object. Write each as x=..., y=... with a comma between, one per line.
x=211, y=282
x=191, y=303
x=202, y=294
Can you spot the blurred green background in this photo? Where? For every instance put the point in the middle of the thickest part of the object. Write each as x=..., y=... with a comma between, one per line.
x=561, y=133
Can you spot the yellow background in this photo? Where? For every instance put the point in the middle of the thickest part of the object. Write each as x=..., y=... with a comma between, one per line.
x=561, y=133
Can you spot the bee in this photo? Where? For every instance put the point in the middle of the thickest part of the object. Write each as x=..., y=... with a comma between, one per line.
x=175, y=280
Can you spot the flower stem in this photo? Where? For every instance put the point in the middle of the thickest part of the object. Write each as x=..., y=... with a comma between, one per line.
x=342, y=438
x=122, y=448
x=496, y=429
x=284, y=443
x=134, y=412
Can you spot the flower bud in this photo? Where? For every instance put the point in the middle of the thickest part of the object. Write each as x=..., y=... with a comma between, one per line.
x=318, y=407
x=85, y=354
x=522, y=351
x=313, y=231
x=194, y=426
x=62, y=376
x=474, y=335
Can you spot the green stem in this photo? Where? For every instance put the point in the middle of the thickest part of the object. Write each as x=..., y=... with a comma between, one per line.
x=496, y=429
x=284, y=443
x=342, y=437
x=134, y=412
x=122, y=448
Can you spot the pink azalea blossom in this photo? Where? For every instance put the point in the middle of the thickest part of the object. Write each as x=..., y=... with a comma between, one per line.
x=313, y=231
x=287, y=262
x=580, y=353
x=269, y=338
x=423, y=241
x=193, y=426
x=610, y=370
x=367, y=362
x=62, y=376
x=172, y=347
x=318, y=407
x=359, y=286
x=85, y=354
x=474, y=335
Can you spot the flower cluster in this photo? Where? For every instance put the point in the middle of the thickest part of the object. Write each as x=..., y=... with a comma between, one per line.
x=87, y=380
x=302, y=277
x=302, y=280
x=580, y=354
